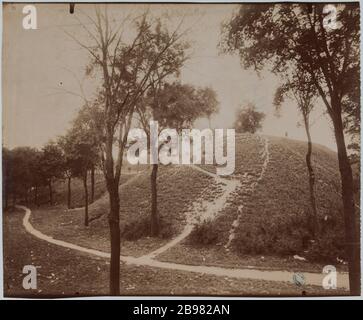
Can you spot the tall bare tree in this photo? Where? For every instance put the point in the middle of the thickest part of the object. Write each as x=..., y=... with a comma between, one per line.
x=125, y=66
x=299, y=87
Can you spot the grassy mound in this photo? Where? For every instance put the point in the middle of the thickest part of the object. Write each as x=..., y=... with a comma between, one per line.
x=269, y=212
x=178, y=188
x=266, y=215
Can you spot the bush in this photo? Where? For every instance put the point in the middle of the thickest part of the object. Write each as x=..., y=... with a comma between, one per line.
x=137, y=229
x=204, y=234
x=289, y=235
x=167, y=229
x=282, y=235
x=332, y=238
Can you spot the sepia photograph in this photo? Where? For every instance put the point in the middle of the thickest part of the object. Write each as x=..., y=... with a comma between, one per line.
x=181, y=150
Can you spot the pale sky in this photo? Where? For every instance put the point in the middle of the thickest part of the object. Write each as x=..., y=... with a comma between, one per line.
x=39, y=66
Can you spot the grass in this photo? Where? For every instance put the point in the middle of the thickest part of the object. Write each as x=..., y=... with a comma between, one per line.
x=60, y=190
x=66, y=273
x=178, y=188
x=217, y=256
x=271, y=222
x=273, y=212
x=60, y=187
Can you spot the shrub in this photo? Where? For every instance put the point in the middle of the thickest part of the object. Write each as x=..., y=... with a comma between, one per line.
x=282, y=235
x=330, y=244
x=167, y=229
x=289, y=235
x=204, y=234
x=137, y=229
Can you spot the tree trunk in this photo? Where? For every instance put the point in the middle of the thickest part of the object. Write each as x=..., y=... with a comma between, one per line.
x=154, y=225
x=36, y=195
x=14, y=199
x=26, y=197
x=69, y=194
x=92, y=184
x=314, y=218
x=114, y=223
x=50, y=192
x=6, y=194
x=85, y=198
x=351, y=228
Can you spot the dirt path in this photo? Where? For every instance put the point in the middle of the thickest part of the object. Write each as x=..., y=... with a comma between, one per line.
x=63, y=272
x=281, y=276
x=201, y=210
x=249, y=185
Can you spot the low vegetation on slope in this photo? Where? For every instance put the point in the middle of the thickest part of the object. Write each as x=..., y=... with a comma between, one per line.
x=268, y=213
x=178, y=188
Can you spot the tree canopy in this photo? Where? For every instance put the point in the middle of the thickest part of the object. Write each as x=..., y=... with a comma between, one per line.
x=248, y=119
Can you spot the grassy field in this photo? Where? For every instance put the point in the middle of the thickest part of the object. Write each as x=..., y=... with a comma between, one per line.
x=65, y=273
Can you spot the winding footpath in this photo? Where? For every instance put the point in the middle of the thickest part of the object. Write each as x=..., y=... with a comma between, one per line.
x=201, y=210
x=286, y=276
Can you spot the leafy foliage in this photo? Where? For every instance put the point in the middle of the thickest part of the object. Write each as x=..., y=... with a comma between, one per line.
x=248, y=119
x=204, y=234
x=138, y=229
x=51, y=162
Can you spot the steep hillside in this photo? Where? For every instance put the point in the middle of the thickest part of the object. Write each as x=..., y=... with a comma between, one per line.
x=178, y=189
x=276, y=206
x=268, y=213
x=261, y=209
